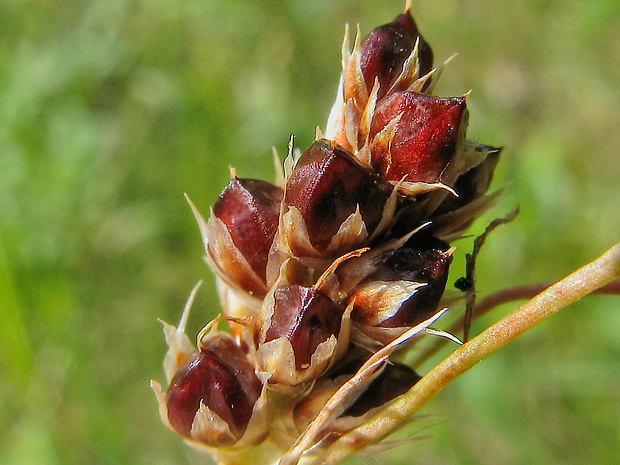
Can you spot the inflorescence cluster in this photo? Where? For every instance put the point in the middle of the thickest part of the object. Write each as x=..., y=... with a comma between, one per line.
x=323, y=275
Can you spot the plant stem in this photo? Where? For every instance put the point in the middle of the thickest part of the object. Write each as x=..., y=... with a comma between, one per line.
x=491, y=301
x=582, y=282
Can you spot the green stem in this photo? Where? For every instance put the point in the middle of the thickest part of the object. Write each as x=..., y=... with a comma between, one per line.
x=582, y=282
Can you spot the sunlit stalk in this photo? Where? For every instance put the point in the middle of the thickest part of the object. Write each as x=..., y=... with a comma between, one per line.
x=494, y=300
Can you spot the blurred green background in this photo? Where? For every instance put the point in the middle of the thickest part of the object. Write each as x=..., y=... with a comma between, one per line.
x=111, y=110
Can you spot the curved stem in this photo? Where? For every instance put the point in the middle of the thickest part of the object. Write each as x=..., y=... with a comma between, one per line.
x=582, y=282
x=491, y=301
x=528, y=291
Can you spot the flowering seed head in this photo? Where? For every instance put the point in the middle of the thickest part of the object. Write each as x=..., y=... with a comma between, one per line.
x=323, y=278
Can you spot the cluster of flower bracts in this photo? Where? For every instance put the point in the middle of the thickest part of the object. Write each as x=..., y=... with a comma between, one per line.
x=344, y=258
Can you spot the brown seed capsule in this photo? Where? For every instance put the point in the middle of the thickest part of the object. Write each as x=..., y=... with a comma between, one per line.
x=249, y=210
x=424, y=140
x=456, y=213
x=472, y=184
x=394, y=380
x=405, y=287
x=297, y=336
x=337, y=202
x=212, y=396
x=384, y=51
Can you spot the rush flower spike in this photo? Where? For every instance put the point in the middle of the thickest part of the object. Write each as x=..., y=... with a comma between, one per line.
x=325, y=275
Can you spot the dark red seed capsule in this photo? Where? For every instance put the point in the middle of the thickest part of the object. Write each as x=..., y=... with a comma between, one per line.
x=306, y=317
x=425, y=139
x=250, y=210
x=326, y=186
x=221, y=377
x=394, y=381
x=422, y=259
x=472, y=184
x=385, y=49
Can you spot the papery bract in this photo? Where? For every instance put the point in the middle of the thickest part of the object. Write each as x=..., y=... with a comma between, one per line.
x=472, y=184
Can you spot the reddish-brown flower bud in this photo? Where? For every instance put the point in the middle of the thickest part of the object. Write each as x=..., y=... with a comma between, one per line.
x=405, y=287
x=297, y=334
x=306, y=317
x=384, y=51
x=394, y=380
x=249, y=210
x=472, y=184
x=424, y=140
x=211, y=398
x=393, y=287
x=339, y=202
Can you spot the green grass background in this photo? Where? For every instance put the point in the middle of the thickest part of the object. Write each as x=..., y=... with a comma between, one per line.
x=111, y=110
